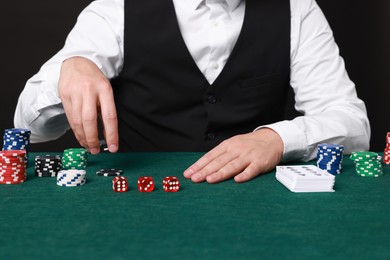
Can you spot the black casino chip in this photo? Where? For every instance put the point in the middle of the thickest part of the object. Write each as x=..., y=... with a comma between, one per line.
x=109, y=172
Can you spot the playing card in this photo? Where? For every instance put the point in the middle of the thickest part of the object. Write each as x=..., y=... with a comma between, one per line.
x=305, y=178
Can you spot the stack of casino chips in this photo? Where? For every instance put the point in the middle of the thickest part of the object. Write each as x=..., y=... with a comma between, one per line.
x=47, y=165
x=17, y=139
x=12, y=166
x=71, y=178
x=75, y=158
x=386, y=154
x=330, y=157
x=368, y=164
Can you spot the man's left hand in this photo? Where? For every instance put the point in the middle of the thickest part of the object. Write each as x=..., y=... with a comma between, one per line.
x=242, y=157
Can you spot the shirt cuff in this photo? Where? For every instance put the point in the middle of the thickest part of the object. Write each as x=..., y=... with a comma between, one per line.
x=293, y=137
x=49, y=85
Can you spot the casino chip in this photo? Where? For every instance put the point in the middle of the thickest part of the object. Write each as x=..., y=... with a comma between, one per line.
x=75, y=158
x=12, y=166
x=71, y=178
x=47, y=165
x=109, y=172
x=330, y=157
x=368, y=164
x=17, y=139
x=386, y=153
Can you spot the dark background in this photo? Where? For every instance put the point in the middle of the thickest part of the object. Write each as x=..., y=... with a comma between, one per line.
x=33, y=31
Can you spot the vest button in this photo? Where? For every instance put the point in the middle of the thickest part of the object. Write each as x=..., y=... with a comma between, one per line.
x=212, y=99
x=210, y=136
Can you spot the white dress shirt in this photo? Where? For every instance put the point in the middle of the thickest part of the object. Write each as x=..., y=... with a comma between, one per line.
x=323, y=91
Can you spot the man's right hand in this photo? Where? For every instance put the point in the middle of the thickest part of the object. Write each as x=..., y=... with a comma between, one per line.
x=85, y=93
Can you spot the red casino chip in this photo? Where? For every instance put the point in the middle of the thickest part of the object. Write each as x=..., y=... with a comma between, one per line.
x=11, y=182
x=12, y=153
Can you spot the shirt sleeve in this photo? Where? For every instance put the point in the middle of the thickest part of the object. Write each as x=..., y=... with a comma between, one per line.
x=324, y=94
x=97, y=36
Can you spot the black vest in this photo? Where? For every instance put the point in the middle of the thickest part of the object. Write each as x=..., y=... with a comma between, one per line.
x=164, y=102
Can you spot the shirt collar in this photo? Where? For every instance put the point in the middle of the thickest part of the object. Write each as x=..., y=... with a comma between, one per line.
x=194, y=4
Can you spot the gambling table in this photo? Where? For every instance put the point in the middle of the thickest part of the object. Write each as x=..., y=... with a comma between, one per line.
x=260, y=219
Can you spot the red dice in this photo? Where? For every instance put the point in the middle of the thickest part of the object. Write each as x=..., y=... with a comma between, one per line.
x=145, y=184
x=120, y=184
x=171, y=184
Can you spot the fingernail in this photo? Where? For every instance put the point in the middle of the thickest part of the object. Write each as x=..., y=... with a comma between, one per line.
x=94, y=151
x=188, y=172
x=196, y=177
x=210, y=178
x=238, y=178
x=113, y=148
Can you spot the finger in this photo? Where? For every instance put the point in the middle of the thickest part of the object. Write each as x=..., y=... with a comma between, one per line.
x=214, y=166
x=110, y=120
x=68, y=112
x=89, y=121
x=204, y=160
x=249, y=173
x=76, y=121
x=229, y=170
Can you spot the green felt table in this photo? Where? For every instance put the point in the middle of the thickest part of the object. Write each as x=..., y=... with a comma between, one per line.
x=259, y=219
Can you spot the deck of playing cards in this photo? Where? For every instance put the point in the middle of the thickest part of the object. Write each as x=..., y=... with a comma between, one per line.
x=305, y=178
